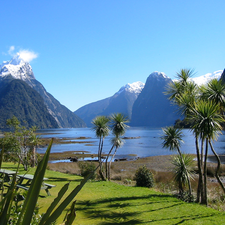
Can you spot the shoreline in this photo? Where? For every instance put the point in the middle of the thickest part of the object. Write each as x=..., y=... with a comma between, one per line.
x=154, y=163
x=86, y=156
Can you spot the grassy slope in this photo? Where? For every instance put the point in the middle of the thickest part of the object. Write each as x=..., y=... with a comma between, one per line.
x=110, y=203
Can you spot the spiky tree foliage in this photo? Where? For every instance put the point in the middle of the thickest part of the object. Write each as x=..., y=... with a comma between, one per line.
x=118, y=124
x=215, y=92
x=176, y=89
x=172, y=139
x=180, y=174
x=184, y=74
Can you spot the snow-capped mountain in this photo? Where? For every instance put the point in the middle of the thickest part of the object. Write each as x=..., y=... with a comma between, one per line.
x=17, y=68
x=135, y=88
x=121, y=102
x=158, y=75
x=204, y=79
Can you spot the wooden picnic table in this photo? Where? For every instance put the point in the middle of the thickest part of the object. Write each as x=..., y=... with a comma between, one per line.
x=24, y=182
x=5, y=175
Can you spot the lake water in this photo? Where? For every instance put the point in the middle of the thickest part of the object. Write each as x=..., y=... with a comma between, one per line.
x=149, y=142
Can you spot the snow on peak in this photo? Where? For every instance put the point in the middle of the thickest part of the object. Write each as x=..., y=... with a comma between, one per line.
x=135, y=87
x=158, y=75
x=18, y=68
x=204, y=79
x=16, y=60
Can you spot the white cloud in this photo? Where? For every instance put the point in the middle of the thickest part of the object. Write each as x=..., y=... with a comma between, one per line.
x=24, y=54
x=27, y=55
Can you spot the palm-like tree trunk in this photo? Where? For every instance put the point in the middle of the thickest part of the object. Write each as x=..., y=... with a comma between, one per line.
x=200, y=180
x=204, y=200
x=218, y=166
x=100, y=158
x=107, y=170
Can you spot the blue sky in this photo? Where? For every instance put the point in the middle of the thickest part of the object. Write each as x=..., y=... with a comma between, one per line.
x=85, y=50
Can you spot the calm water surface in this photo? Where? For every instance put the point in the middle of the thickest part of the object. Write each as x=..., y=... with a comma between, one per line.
x=149, y=142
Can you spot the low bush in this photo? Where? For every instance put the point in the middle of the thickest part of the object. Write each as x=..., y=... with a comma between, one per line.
x=86, y=168
x=144, y=177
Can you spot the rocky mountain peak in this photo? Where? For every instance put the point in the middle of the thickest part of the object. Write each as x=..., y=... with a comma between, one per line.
x=157, y=75
x=17, y=68
x=135, y=88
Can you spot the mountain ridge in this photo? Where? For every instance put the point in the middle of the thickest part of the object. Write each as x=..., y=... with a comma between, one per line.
x=90, y=111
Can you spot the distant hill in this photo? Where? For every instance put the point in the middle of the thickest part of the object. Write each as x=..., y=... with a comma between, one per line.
x=121, y=102
x=16, y=68
x=18, y=99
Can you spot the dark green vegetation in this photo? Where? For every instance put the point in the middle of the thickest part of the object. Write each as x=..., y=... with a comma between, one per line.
x=182, y=123
x=87, y=168
x=18, y=99
x=144, y=177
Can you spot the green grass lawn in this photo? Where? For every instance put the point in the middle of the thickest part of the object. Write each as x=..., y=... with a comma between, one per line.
x=111, y=203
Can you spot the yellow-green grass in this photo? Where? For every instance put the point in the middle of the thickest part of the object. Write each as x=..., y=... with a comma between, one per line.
x=111, y=203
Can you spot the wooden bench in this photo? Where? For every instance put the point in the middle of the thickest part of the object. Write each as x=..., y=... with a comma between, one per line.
x=22, y=187
x=47, y=187
x=28, y=179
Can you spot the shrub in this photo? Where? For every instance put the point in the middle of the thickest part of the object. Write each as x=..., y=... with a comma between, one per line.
x=86, y=168
x=144, y=177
